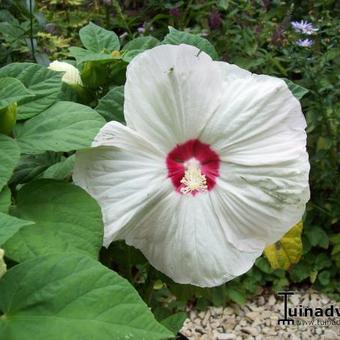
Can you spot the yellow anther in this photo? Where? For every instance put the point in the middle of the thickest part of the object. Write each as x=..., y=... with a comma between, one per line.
x=193, y=179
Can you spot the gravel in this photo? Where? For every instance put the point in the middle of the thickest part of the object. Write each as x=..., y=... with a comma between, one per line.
x=257, y=320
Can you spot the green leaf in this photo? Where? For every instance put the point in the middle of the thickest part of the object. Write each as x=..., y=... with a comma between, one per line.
x=141, y=43
x=31, y=167
x=236, y=296
x=263, y=264
x=176, y=37
x=287, y=251
x=317, y=237
x=129, y=55
x=300, y=271
x=97, y=39
x=10, y=225
x=39, y=80
x=297, y=90
x=5, y=200
x=72, y=297
x=174, y=322
x=324, y=277
x=60, y=170
x=11, y=91
x=82, y=55
x=9, y=157
x=111, y=106
x=322, y=261
x=66, y=219
x=65, y=126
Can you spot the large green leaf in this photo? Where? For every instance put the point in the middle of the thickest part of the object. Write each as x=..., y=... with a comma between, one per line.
x=65, y=126
x=175, y=321
x=42, y=82
x=66, y=219
x=176, y=37
x=11, y=91
x=60, y=170
x=297, y=90
x=10, y=225
x=5, y=200
x=141, y=43
x=98, y=39
x=32, y=166
x=9, y=157
x=111, y=106
x=65, y=296
x=82, y=55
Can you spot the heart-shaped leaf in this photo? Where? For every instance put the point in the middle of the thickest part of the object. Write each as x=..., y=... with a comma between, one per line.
x=98, y=39
x=40, y=81
x=9, y=225
x=175, y=37
x=66, y=296
x=9, y=157
x=65, y=126
x=111, y=106
x=11, y=91
x=66, y=219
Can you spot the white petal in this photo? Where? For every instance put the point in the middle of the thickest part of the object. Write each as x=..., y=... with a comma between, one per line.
x=181, y=236
x=71, y=75
x=122, y=172
x=257, y=206
x=259, y=133
x=170, y=93
x=253, y=109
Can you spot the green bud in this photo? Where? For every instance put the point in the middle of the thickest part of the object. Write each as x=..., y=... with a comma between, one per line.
x=8, y=117
x=94, y=74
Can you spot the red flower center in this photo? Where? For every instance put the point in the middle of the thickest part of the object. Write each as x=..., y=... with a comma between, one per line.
x=193, y=167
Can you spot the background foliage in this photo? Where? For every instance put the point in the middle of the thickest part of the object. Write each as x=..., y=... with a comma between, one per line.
x=256, y=35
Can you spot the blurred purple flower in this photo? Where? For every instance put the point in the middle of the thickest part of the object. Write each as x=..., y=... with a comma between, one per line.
x=141, y=29
x=145, y=27
x=214, y=19
x=174, y=12
x=303, y=27
x=304, y=42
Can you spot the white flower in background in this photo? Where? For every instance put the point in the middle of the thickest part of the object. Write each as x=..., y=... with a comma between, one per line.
x=304, y=42
x=211, y=167
x=3, y=267
x=304, y=27
x=71, y=76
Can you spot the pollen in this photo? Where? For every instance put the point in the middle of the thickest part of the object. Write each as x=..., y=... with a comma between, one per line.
x=193, y=180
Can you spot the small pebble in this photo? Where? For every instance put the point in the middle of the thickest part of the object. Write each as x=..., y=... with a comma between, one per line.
x=258, y=319
x=226, y=336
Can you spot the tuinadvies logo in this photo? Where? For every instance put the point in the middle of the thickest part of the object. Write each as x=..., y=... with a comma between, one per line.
x=300, y=311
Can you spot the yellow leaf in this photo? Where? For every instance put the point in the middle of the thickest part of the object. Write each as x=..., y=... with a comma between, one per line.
x=286, y=252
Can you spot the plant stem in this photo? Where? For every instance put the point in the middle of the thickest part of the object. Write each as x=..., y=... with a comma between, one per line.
x=31, y=30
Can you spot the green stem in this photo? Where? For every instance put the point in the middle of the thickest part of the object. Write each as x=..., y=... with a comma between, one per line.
x=31, y=30
x=118, y=10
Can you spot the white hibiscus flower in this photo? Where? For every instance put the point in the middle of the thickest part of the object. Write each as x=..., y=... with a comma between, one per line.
x=71, y=75
x=211, y=167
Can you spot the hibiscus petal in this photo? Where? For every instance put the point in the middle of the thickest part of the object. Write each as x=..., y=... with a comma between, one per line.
x=182, y=237
x=259, y=132
x=122, y=172
x=170, y=93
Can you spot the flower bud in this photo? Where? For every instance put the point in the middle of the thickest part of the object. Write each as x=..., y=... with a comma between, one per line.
x=8, y=116
x=71, y=76
x=3, y=267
